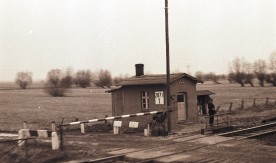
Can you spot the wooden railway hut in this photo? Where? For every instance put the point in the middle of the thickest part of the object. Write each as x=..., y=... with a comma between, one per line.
x=144, y=93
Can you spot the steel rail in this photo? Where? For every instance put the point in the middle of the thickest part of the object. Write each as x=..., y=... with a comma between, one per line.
x=105, y=159
x=204, y=146
x=151, y=160
x=247, y=130
x=122, y=157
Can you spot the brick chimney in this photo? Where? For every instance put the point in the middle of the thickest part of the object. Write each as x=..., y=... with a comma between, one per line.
x=139, y=69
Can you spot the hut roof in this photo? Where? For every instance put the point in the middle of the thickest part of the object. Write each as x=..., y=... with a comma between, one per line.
x=156, y=79
x=204, y=92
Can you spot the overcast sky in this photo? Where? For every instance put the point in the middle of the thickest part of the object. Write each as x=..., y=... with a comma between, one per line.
x=40, y=35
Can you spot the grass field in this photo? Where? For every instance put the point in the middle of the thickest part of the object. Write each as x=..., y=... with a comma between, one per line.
x=226, y=93
x=39, y=109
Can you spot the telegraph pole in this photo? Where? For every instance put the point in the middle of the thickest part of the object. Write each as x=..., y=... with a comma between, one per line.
x=168, y=66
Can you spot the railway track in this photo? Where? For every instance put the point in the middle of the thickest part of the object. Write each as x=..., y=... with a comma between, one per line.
x=233, y=136
x=182, y=144
x=252, y=132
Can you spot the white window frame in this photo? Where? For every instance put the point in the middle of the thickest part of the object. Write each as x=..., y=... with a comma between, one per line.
x=144, y=100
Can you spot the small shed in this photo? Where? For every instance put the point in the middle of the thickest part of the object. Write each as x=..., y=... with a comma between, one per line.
x=203, y=97
x=145, y=93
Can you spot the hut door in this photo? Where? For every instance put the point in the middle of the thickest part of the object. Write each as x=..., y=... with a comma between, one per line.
x=181, y=106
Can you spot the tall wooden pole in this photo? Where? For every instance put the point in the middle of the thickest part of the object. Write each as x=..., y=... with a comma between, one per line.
x=168, y=64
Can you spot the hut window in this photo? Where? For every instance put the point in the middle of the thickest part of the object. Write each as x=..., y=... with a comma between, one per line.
x=180, y=98
x=145, y=100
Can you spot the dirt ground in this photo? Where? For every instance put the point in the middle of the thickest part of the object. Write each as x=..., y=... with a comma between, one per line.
x=93, y=145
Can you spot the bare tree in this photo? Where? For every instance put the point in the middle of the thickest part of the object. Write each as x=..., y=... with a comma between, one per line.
x=118, y=79
x=200, y=76
x=104, y=79
x=83, y=78
x=249, y=74
x=222, y=77
x=237, y=71
x=55, y=85
x=67, y=78
x=231, y=77
x=212, y=77
x=260, y=68
x=23, y=79
x=271, y=76
x=272, y=62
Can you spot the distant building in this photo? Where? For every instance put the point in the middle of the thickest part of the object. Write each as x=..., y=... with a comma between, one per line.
x=144, y=93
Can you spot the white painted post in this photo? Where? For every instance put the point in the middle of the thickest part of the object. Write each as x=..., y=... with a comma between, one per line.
x=116, y=127
x=82, y=128
x=149, y=129
x=55, y=141
x=116, y=130
x=23, y=134
x=53, y=126
x=146, y=132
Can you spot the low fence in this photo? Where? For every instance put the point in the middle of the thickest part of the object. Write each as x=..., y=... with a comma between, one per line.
x=219, y=119
x=247, y=102
x=223, y=118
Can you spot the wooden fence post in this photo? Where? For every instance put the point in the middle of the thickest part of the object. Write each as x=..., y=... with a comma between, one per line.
x=242, y=104
x=218, y=108
x=227, y=120
x=230, y=107
x=254, y=102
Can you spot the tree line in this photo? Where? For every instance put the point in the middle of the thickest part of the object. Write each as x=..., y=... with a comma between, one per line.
x=59, y=81
x=244, y=72
x=240, y=71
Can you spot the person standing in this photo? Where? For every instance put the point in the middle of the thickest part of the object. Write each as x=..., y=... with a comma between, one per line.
x=211, y=111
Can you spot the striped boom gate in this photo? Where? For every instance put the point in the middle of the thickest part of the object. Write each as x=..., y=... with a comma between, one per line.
x=112, y=118
x=116, y=129
x=81, y=123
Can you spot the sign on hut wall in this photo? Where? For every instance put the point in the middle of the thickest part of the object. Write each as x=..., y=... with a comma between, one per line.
x=159, y=97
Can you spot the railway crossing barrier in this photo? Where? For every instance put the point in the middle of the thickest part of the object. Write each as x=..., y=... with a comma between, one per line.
x=26, y=133
x=117, y=124
x=112, y=118
x=116, y=128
